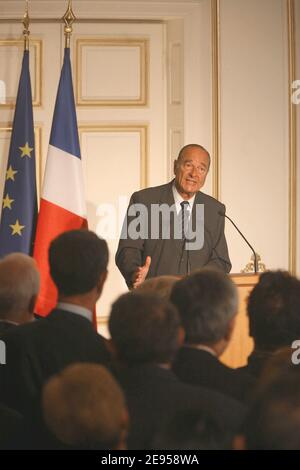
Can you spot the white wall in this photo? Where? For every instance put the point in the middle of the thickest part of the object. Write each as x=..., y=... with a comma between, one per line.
x=254, y=127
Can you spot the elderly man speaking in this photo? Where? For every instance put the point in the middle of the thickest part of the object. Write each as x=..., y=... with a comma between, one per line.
x=175, y=228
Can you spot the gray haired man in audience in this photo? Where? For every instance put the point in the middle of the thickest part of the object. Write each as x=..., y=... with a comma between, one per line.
x=207, y=302
x=19, y=287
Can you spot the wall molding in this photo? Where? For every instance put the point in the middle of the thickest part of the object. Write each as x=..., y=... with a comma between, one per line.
x=98, y=10
x=36, y=46
x=216, y=117
x=119, y=42
x=142, y=129
x=292, y=139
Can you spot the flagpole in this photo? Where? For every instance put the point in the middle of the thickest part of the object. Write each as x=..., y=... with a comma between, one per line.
x=69, y=19
x=26, y=31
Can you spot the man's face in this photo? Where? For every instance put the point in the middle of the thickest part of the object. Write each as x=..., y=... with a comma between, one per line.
x=190, y=171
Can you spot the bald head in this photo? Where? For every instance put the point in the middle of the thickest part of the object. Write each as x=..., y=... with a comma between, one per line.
x=19, y=287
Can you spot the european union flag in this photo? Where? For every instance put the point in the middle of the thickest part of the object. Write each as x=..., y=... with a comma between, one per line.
x=19, y=203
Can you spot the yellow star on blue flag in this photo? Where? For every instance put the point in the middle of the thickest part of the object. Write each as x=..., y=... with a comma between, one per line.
x=7, y=202
x=26, y=150
x=10, y=173
x=17, y=228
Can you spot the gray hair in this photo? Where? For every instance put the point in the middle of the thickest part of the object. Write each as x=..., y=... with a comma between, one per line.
x=206, y=300
x=19, y=283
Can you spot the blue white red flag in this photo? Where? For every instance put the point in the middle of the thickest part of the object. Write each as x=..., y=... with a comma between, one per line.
x=62, y=205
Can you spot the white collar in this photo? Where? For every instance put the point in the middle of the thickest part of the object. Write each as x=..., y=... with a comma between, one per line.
x=77, y=309
x=179, y=199
x=201, y=347
x=9, y=321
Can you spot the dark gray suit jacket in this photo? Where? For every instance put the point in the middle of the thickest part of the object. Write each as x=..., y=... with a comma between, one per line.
x=154, y=394
x=37, y=350
x=170, y=256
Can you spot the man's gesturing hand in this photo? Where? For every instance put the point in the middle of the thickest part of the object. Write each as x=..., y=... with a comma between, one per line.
x=141, y=273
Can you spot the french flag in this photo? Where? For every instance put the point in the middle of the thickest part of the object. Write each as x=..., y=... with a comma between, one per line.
x=62, y=205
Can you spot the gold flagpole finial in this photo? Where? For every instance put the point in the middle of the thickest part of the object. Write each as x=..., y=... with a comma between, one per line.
x=26, y=31
x=69, y=19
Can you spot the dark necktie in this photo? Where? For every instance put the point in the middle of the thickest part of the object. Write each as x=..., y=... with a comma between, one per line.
x=184, y=218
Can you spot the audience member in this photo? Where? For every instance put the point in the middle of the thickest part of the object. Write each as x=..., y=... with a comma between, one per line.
x=273, y=422
x=190, y=430
x=11, y=427
x=19, y=287
x=274, y=316
x=146, y=334
x=34, y=352
x=84, y=408
x=161, y=285
x=207, y=302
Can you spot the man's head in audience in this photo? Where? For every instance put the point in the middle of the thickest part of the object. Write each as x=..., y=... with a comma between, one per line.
x=189, y=429
x=207, y=302
x=274, y=311
x=19, y=287
x=144, y=329
x=78, y=266
x=273, y=422
x=84, y=407
x=161, y=285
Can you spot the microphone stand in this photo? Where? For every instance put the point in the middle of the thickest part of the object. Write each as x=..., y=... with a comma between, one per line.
x=250, y=246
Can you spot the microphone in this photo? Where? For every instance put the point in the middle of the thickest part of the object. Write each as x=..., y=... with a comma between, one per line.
x=222, y=213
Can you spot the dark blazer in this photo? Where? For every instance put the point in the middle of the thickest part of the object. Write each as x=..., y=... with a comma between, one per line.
x=11, y=427
x=5, y=326
x=169, y=256
x=256, y=363
x=155, y=394
x=198, y=367
x=35, y=351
